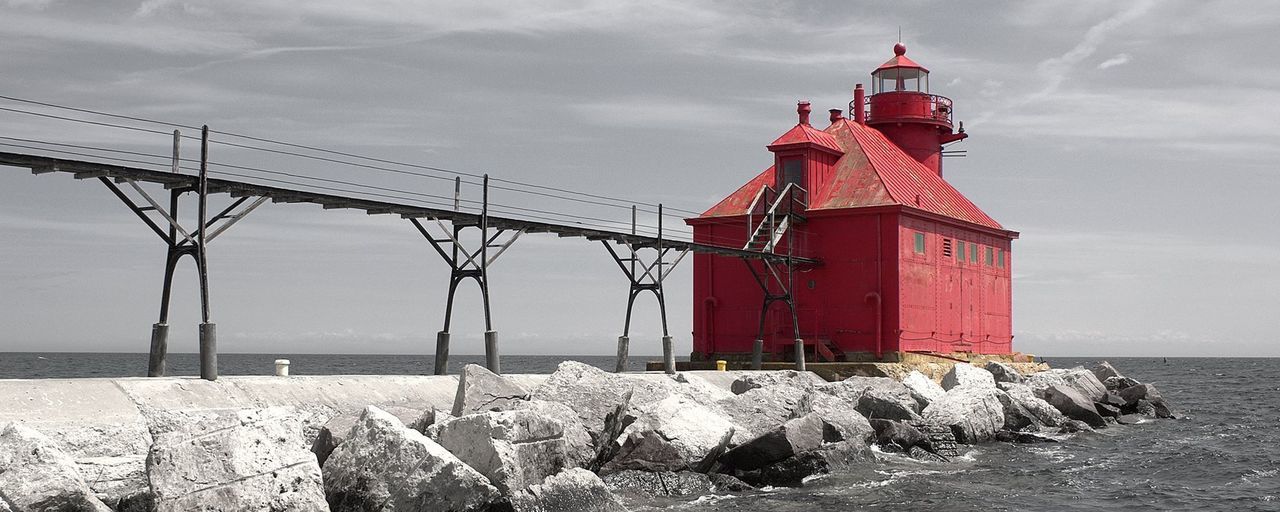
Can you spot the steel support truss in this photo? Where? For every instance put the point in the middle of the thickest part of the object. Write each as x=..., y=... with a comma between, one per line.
x=776, y=280
x=181, y=242
x=646, y=274
x=466, y=264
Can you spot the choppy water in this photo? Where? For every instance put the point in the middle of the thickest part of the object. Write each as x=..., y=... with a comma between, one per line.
x=1221, y=455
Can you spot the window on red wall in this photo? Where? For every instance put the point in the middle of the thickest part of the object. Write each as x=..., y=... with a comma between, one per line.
x=1000, y=258
x=990, y=259
x=973, y=253
x=919, y=243
x=792, y=172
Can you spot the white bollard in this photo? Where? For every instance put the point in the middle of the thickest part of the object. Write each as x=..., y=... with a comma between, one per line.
x=282, y=367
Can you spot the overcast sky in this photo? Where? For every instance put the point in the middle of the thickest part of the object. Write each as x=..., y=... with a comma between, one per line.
x=1131, y=143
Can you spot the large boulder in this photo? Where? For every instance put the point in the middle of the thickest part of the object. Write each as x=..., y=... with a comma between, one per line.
x=795, y=436
x=923, y=389
x=1074, y=405
x=388, y=467
x=333, y=432
x=1017, y=417
x=876, y=397
x=513, y=449
x=1118, y=383
x=674, y=434
x=573, y=490
x=1103, y=371
x=646, y=485
x=752, y=380
x=579, y=447
x=898, y=437
x=1080, y=379
x=1133, y=394
x=480, y=390
x=1022, y=395
x=597, y=395
x=965, y=374
x=759, y=410
x=973, y=412
x=792, y=471
x=257, y=461
x=1004, y=373
x=37, y=476
x=841, y=416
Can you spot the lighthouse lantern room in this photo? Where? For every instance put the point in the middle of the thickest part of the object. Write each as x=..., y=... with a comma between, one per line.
x=907, y=264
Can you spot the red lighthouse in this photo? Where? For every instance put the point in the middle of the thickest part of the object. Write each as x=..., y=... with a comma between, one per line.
x=904, y=261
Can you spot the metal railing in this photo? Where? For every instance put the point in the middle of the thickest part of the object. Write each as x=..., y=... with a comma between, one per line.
x=768, y=232
x=909, y=106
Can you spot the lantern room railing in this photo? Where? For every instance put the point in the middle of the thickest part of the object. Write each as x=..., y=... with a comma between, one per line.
x=891, y=107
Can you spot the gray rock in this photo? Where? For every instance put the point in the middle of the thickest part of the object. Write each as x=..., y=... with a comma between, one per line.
x=965, y=374
x=1004, y=373
x=597, y=396
x=1142, y=407
x=256, y=461
x=759, y=410
x=429, y=416
x=480, y=390
x=513, y=449
x=1104, y=371
x=1107, y=410
x=920, y=453
x=573, y=490
x=388, y=467
x=1118, y=383
x=579, y=448
x=645, y=485
x=841, y=418
x=923, y=389
x=1074, y=405
x=1080, y=379
x=795, y=436
x=973, y=412
x=333, y=432
x=749, y=381
x=728, y=483
x=1045, y=413
x=876, y=397
x=1017, y=417
x=1073, y=426
x=37, y=476
x=792, y=471
x=1133, y=394
x=898, y=436
x=674, y=434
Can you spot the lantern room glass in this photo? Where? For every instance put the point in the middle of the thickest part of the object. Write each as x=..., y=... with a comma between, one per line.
x=900, y=80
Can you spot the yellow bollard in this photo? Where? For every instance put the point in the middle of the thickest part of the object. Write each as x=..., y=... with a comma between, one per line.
x=722, y=365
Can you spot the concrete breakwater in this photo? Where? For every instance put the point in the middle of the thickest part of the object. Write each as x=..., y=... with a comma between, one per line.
x=579, y=439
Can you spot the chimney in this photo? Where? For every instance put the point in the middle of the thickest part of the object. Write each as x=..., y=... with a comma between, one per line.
x=859, y=105
x=836, y=115
x=803, y=109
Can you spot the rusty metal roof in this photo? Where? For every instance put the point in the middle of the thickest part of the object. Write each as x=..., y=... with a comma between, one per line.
x=873, y=172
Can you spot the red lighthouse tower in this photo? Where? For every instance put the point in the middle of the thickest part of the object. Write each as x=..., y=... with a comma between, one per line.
x=905, y=262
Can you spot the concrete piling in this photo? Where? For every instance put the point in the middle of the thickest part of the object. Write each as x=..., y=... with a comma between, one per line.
x=208, y=351
x=442, y=353
x=799, y=354
x=624, y=348
x=757, y=354
x=159, y=350
x=491, y=359
x=668, y=355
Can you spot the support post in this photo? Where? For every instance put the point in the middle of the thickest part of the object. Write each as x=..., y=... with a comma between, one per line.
x=442, y=353
x=208, y=336
x=159, y=350
x=491, y=359
x=208, y=351
x=757, y=354
x=624, y=343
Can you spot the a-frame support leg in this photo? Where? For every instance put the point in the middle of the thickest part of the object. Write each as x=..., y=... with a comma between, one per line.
x=757, y=349
x=464, y=264
x=645, y=276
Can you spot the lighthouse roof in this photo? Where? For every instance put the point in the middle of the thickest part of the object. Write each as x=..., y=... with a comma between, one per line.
x=900, y=60
x=873, y=171
x=804, y=134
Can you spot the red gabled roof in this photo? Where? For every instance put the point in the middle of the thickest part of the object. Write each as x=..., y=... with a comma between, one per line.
x=872, y=172
x=806, y=134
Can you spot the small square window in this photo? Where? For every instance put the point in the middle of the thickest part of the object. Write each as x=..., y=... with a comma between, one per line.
x=960, y=252
x=920, y=243
x=973, y=253
x=990, y=259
